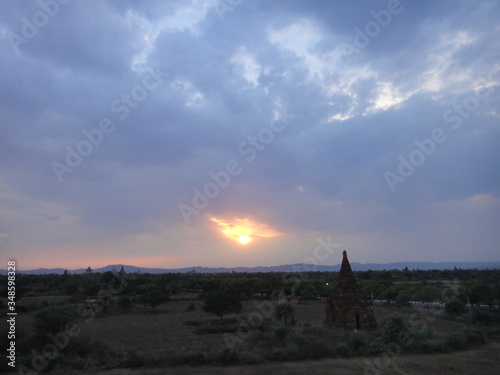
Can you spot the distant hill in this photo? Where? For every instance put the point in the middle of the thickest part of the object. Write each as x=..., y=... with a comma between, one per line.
x=283, y=268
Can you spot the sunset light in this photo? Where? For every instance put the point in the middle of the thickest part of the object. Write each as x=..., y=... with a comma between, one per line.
x=244, y=239
x=244, y=230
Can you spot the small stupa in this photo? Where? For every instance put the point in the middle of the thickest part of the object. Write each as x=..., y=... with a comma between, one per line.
x=293, y=297
x=347, y=306
x=122, y=272
x=81, y=293
x=282, y=296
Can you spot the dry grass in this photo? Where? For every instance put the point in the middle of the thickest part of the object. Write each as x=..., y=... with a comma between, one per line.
x=164, y=334
x=482, y=361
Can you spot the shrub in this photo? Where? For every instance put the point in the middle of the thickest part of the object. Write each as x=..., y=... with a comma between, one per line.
x=455, y=307
x=278, y=354
x=192, y=359
x=485, y=317
x=358, y=344
x=391, y=327
x=85, y=353
x=300, y=340
x=124, y=303
x=195, y=359
x=342, y=350
x=456, y=341
x=281, y=333
x=423, y=347
x=154, y=298
x=52, y=320
x=249, y=358
x=494, y=334
x=473, y=335
x=228, y=356
x=134, y=359
x=103, y=354
x=221, y=303
x=403, y=298
x=285, y=311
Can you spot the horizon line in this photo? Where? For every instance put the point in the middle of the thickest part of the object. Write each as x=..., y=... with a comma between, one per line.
x=259, y=266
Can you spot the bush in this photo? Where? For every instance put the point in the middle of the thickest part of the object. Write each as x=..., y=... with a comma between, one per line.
x=124, y=303
x=52, y=319
x=195, y=359
x=84, y=353
x=456, y=341
x=494, y=334
x=343, y=350
x=285, y=311
x=221, y=303
x=249, y=358
x=455, y=307
x=403, y=298
x=281, y=333
x=473, y=336
x=228, y=356
x=154, y=298
x=278, y=355
x=391, y=327
x=134, y=359
x=358, y=344
x=103, y=355
x=485, y=317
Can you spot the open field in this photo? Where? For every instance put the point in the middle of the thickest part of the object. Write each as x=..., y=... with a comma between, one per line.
x=482, y=361
x=160, y=341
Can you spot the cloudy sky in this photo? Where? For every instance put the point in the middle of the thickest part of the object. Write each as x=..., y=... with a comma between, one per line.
x=244, y=133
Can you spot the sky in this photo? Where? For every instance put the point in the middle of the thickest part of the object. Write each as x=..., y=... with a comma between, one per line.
x=243, y=133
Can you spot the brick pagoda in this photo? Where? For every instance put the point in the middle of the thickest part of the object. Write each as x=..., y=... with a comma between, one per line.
x=347, y=306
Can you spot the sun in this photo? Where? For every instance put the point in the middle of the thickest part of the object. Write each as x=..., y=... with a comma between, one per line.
x=244, y=239
x=244, y=230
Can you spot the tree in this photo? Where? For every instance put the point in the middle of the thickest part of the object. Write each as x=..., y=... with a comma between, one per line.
x=306, y=292
x=220, y=303
x=154, y=298
x=455, y=307
x=51, y=320
x=285, y=311
x=403, y=298
x=392, y=326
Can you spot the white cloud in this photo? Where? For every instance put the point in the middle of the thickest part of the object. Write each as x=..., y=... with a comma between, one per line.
x=248, y=67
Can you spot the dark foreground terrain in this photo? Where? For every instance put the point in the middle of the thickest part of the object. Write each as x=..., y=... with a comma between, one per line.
x=173, y=340
x=484, y=360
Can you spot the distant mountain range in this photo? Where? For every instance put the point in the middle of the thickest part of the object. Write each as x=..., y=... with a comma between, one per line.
x=284, y=268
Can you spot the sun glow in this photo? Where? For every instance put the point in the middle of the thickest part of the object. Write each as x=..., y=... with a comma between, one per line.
x=244, y=239
x=244, y=230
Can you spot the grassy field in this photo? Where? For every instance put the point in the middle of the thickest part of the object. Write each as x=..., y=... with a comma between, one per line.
x=140, y=341
x=483, y=360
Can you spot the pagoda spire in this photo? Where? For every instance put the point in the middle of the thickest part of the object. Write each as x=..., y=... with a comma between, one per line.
x=345, y=269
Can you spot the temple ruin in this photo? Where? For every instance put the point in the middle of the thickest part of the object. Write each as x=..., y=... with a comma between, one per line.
x=347, y=306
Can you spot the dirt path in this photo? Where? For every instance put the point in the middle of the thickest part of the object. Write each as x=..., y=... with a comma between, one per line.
x=484, y=360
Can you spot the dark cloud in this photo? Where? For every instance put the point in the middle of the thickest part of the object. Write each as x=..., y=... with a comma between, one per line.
x=224, y=79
